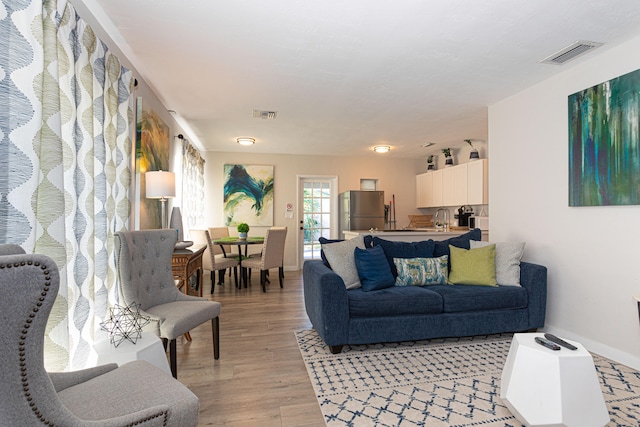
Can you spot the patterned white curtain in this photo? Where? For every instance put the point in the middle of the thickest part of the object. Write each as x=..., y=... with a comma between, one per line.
x=65, y=161
x=192, y=186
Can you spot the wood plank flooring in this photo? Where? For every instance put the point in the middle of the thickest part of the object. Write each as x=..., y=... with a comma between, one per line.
x=260, y=378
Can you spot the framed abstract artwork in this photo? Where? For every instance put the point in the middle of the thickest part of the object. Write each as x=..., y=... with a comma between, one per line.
x=152, y=154
x=248, y=195
x=604, y=143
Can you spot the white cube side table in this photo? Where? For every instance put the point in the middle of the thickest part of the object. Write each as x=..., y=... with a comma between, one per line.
x=149, y=347
x=543, y=387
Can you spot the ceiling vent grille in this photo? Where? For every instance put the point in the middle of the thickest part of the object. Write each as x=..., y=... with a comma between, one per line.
x=571, y=52
x=265, y=115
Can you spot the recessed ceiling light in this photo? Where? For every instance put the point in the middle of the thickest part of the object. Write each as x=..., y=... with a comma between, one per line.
x=246, y=141
x=381, y=148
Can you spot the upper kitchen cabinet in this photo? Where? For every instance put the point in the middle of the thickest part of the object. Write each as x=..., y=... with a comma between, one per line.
x=477, y=182
x=424, y=192
x=429, y=189
x=464, y=184
x=454, y=185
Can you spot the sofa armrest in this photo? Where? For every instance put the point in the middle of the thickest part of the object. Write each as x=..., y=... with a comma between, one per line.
x=326, y=302
x=533, y=277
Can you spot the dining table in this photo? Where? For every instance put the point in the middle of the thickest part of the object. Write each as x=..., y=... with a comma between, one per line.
x=234, y=240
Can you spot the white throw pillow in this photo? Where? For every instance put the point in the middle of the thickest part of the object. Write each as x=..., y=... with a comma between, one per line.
x=342, y=259
x=508, y=256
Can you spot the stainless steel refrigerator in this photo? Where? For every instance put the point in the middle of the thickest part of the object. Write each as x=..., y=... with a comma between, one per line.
x=361, y=210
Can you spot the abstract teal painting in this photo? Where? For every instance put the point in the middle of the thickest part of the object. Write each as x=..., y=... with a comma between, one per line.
x=248, y=195
x=604, y=143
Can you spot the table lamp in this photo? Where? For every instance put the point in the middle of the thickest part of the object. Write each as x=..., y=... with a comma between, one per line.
x=161, y=185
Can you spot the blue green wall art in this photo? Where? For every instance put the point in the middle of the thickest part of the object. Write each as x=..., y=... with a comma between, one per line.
x=604, y=143
x=248, y=195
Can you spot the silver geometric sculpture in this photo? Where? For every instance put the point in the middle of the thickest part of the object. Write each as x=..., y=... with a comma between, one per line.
x=124, y=323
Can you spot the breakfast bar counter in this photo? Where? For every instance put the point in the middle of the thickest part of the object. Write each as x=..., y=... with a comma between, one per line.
x=412, y=235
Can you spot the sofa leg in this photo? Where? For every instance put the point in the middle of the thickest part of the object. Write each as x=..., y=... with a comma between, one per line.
x=335, y=349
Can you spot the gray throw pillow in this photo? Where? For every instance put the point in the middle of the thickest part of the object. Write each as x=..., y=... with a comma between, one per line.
x=342, y=259
x=508, y=256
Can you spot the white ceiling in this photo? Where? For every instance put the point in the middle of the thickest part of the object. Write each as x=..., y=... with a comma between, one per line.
x=345, y=75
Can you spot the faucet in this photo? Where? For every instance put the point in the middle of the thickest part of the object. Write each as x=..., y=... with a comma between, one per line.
x=444, y=220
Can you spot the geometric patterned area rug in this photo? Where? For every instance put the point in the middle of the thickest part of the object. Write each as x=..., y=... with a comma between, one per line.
x=440, y=382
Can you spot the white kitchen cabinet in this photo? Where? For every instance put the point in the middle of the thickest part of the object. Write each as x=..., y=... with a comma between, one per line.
x=424, y=190
x=477, y=182
x=464, y=184
x=437, y=189
x=454, y=185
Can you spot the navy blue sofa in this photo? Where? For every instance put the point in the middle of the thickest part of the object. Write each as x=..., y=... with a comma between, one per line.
x=342, y=316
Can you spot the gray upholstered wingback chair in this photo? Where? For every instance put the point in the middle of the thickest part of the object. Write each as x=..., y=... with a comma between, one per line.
x=135, y=394
x=272, y=255
x=143, y=259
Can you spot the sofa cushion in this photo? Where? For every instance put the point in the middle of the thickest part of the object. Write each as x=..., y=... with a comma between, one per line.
x=508, y=256
x=394, y=301
x=373, y=270
x=473, y=266
x=461, y=241
x=342, y=261
x=421, y=271
x=464, y=298
x=423, y=249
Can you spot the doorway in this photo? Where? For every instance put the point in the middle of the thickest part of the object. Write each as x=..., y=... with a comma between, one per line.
x=317, y=199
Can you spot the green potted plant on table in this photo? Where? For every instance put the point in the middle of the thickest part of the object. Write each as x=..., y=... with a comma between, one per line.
x=243, y=229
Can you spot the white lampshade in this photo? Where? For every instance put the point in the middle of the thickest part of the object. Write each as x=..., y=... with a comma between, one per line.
x=160, y=184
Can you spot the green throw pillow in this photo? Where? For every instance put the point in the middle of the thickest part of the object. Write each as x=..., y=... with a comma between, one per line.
x=473, y=266
x=421, y=271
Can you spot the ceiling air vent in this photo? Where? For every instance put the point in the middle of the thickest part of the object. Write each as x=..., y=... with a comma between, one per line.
x=266, y=115
x=571, y=52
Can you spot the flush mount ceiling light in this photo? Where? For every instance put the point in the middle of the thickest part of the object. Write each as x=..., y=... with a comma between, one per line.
x=381, y=148
x=246, y=141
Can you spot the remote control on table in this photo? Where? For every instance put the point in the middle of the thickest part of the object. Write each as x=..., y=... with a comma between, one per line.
x=546, y=343
x=560, y=341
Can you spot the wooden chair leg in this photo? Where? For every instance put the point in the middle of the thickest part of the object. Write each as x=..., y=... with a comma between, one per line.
x=263, y=280
x=165, y=342
x=215, y=330
x=172, y=358
x=281, y=274
x=235, y=275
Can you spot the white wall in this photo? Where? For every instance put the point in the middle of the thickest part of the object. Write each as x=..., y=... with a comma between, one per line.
x=395, y=176
x=591, y=252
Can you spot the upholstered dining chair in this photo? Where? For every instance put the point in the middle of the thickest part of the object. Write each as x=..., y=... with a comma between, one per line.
x=272, y=255
x=136, y=393
x=211, y=261
x=143, y=260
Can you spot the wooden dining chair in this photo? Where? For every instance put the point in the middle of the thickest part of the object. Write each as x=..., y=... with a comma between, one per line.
x=272, y=255
x=211, y=261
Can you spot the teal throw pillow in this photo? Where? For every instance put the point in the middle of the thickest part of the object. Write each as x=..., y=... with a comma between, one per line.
x=473, y=266
x=373, y=270
x=421, y=271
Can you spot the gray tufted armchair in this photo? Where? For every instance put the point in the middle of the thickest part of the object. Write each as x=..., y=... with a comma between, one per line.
x=135, y=394
x=143, y=259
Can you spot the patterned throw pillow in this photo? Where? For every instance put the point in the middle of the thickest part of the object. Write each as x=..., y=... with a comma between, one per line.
x=421, y=271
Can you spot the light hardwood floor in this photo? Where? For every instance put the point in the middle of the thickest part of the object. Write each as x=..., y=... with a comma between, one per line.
x=260, y=378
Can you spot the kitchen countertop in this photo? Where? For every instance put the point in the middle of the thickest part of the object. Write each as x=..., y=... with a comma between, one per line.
x=409, y=235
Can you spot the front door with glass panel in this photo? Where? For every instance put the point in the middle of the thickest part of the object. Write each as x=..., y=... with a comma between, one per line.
x=317, y=214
